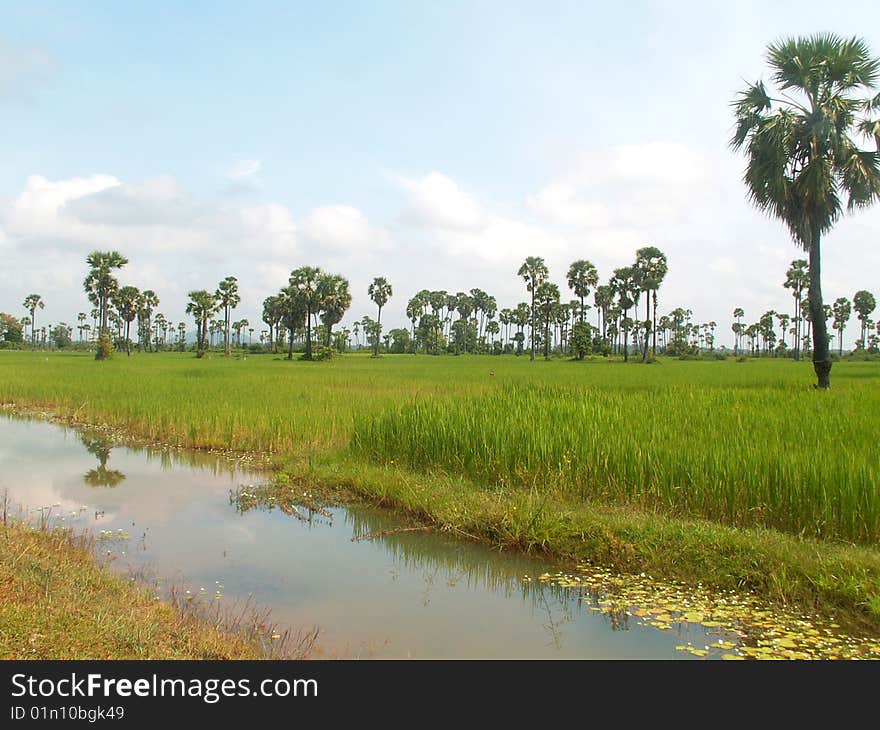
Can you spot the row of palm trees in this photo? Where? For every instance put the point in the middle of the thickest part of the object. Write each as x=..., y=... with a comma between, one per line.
x=461, y=322
x=762, y=335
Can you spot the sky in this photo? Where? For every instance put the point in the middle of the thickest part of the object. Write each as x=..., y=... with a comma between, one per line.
x=436, y=144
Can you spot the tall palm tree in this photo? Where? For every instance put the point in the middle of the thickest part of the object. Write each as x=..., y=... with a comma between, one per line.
x=801, y=149
x=864, y=303
x=99, y=285
x=533, y=272
x=652, y=265
x=797, y=278
x=380, y=292
x=31, y=303
x=304, y=283
x=81, y=318
x=227, y=299
x=272, y=313
x=625, y=285
x=842, y=311
x=603, y=298
x=126, y=303
x=522, y=315
x=737, y=328
x=147, y=302
x=335, y=299
x=292, y=305
x=546, y=298
x=582, y=277
x=201, y=306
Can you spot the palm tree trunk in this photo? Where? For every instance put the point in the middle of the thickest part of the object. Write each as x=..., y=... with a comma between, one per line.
x=308, y=333
x=821, y=357
x=532, y=358
x=378, y=333
x=654, y=326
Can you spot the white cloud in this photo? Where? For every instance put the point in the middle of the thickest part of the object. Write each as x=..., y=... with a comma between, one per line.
x=34, y=214
x=637, y=185
x=268, y=227
x=436, y=201
x=500, y=240
x=558, y=202
x=343, y=227
x=157, y=201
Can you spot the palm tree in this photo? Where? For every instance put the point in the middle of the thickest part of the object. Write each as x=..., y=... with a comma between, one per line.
x=864, y=303
x=533, y=272
x=522, y=315
x=147, y=302
x=546, y=298
x=291, y=305
x=99, y=285
x=842, y=311
x=272, y=313
x=652, y=265
x=801, y=152
x=201, y=306
x=380, y=292
x=335, y=299
x=797, y=278
x=227, y=299
x=31, y=303
x=625, y=284
x=304, y=286
x=81, y=318
x=783, y=319
x=126, y=303
x=582, y=276
x=603, y=298
x=737, y=328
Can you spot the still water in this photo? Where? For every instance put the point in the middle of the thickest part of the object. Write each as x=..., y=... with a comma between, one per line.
x=405, y=594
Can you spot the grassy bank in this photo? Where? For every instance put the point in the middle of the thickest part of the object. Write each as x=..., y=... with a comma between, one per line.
x=736, y=474
x=57, y=602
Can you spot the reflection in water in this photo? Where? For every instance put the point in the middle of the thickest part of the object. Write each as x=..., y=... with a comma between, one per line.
x=99, y=447
x=373, y=584
x=447, y=561
x=443, y=562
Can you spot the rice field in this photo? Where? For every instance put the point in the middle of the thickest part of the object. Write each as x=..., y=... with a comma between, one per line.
x=782, y=457
x=743, y=443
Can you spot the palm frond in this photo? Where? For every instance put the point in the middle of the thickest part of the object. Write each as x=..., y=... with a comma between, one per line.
x=860, y=176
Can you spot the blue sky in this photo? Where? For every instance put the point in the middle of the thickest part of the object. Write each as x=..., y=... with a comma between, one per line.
x=436, y=143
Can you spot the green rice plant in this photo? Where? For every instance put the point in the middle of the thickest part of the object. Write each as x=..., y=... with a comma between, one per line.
x=782, y=457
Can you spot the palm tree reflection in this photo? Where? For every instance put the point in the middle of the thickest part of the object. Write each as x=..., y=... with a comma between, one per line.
x=99, y=447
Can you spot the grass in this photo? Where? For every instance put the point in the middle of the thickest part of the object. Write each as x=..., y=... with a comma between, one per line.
x=735, y=473
x=802, y=462
x=57, y=602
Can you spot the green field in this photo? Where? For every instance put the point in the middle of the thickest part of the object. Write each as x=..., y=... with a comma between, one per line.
x=537, y=454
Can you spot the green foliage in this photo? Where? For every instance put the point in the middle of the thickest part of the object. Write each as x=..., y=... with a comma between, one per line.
x=323, y=353
x=10, y=328
x=105, y=347
x=581, y=341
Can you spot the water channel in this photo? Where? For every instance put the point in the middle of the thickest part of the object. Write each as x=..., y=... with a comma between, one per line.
x=391, y=595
